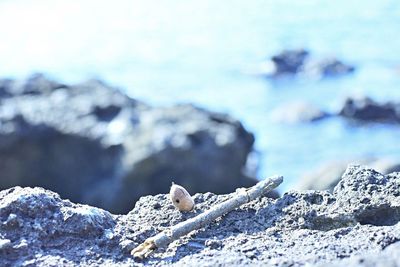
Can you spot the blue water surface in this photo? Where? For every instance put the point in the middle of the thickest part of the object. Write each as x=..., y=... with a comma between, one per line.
x=167, y=52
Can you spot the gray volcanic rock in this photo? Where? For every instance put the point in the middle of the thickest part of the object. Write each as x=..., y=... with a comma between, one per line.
x=200, y=150
x=43, y=230
x=367, y=110
x=359, y=220
x=93, y=144
x=388, y=257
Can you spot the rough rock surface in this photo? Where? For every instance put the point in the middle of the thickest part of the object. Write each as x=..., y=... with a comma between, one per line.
x=357, y=223
x=93, y=144
x=299, y=62
x=388, y=257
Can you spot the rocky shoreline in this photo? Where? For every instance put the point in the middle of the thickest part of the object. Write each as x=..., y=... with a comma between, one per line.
x=93, y=144
x=356, y=225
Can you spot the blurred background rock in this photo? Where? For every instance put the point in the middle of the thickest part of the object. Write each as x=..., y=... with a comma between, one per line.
x=93, y=144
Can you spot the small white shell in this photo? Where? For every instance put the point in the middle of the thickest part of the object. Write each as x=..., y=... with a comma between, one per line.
x=181, y=198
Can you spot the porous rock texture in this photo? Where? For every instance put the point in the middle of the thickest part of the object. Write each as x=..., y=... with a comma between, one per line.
x=356, y=225
x=91, y=143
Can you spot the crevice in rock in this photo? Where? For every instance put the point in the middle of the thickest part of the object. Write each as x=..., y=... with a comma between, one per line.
x=327, y=223
x=107, y=113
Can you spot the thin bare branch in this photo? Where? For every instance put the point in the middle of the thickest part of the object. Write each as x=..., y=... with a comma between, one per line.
x=242, y=196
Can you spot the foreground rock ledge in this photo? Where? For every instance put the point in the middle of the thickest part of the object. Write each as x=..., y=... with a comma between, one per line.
x=357, y=223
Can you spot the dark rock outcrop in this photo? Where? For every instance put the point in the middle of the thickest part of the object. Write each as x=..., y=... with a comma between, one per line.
x=93, y=144
x=300, y=62
x=367, y=110
x=289, y=62
x=359, y=220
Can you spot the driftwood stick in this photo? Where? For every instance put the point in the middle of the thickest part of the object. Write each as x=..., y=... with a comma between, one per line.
x=243, y=196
